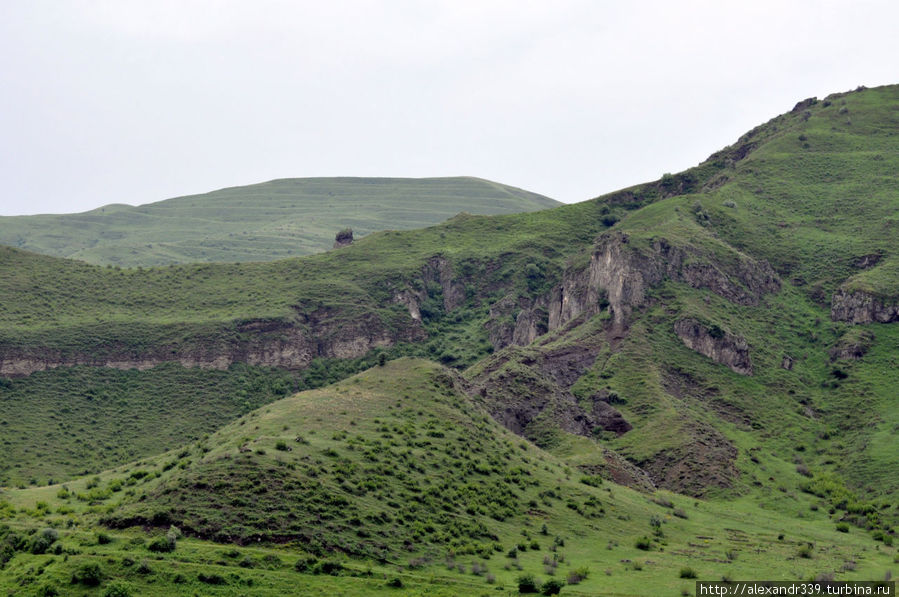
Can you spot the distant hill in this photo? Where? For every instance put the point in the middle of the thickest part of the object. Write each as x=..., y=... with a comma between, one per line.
x=261, y=222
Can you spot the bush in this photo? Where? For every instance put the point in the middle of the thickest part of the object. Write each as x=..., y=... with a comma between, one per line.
x=48, y=590
x=643, y=543
x=103, y=539
x=327, y=567
x=117, y=588
x=89, y=575
x=162, y=545
x=528, y=584
x=211, y=579
x=42, y=541
x=395, y=582
x=578, y=575
x=687, y=573
x=843, y=527
x=552, y=587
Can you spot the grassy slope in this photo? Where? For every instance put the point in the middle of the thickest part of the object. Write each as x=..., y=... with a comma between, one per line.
x=438, y=447
x=779, y=420
x=260, y=222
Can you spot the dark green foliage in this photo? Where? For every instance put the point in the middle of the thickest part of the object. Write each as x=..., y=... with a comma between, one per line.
x=211, y=579
x=117, y=588
x=687, y=572
x=42, y=541
x=528, y=584
x=551, y=587
x=89, y=574
x=305, y=564
x=164, y=544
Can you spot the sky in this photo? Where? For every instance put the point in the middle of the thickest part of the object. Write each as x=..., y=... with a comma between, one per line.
x=117, y=101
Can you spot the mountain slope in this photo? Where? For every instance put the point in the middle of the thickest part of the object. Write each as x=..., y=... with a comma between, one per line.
x=260, y=222
x=393, y=479
x=727, y=333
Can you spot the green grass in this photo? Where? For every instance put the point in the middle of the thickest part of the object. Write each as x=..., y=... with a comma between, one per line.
x=260, y=222
x=398, y=469
x=408, y=418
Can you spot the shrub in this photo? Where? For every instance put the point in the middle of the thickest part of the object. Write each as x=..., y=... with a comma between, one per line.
x=687, y=572
x=305, y=564
x=843, y=527
x=327, y=567
x=42, y=541
x=552, y=587
x=805, y=552
x=144, y=567
x=103, y=539
x=210, y=579
x=643, y=543
x=88, y=575
x=528, y=584
x=162, y=545
x=282, y=446
x=395, y=582
x=578, y=575
x=117, y=588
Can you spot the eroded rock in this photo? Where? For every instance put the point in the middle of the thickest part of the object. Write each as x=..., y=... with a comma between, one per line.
x=713, y=342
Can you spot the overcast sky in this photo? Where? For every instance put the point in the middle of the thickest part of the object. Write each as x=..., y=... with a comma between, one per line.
x=132, y=102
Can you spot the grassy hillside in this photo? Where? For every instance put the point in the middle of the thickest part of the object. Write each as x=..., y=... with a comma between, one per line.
x=726, y=334
x=395, y=482
x=260, y=222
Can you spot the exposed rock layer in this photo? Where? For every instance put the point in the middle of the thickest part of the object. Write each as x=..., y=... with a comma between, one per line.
x=720, y=346
x=862, y=307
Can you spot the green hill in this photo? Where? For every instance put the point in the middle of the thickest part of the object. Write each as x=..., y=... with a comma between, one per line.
x=710, y=356
x=395, y=478
x=260, y=222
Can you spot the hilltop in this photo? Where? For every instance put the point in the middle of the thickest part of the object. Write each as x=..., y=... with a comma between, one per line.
x=260, y=222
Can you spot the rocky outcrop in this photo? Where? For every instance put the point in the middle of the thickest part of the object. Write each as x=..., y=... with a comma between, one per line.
x=852, y=346
x=713, y=342
x=437, y=271
x=516, y=321
x=344, y=238
x=288, y=344
x=521, y=387
x=621, y=275
x=856, y=306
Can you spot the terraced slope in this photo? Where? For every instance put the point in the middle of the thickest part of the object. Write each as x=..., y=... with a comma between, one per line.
x=260, y=222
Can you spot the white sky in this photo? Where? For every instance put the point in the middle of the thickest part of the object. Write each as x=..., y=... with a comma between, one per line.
x=115, y=101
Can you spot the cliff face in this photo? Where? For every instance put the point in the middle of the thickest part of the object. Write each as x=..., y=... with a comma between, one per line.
x=622, y=275
x=270, y=343
x=720, y=346
x=862, y=307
